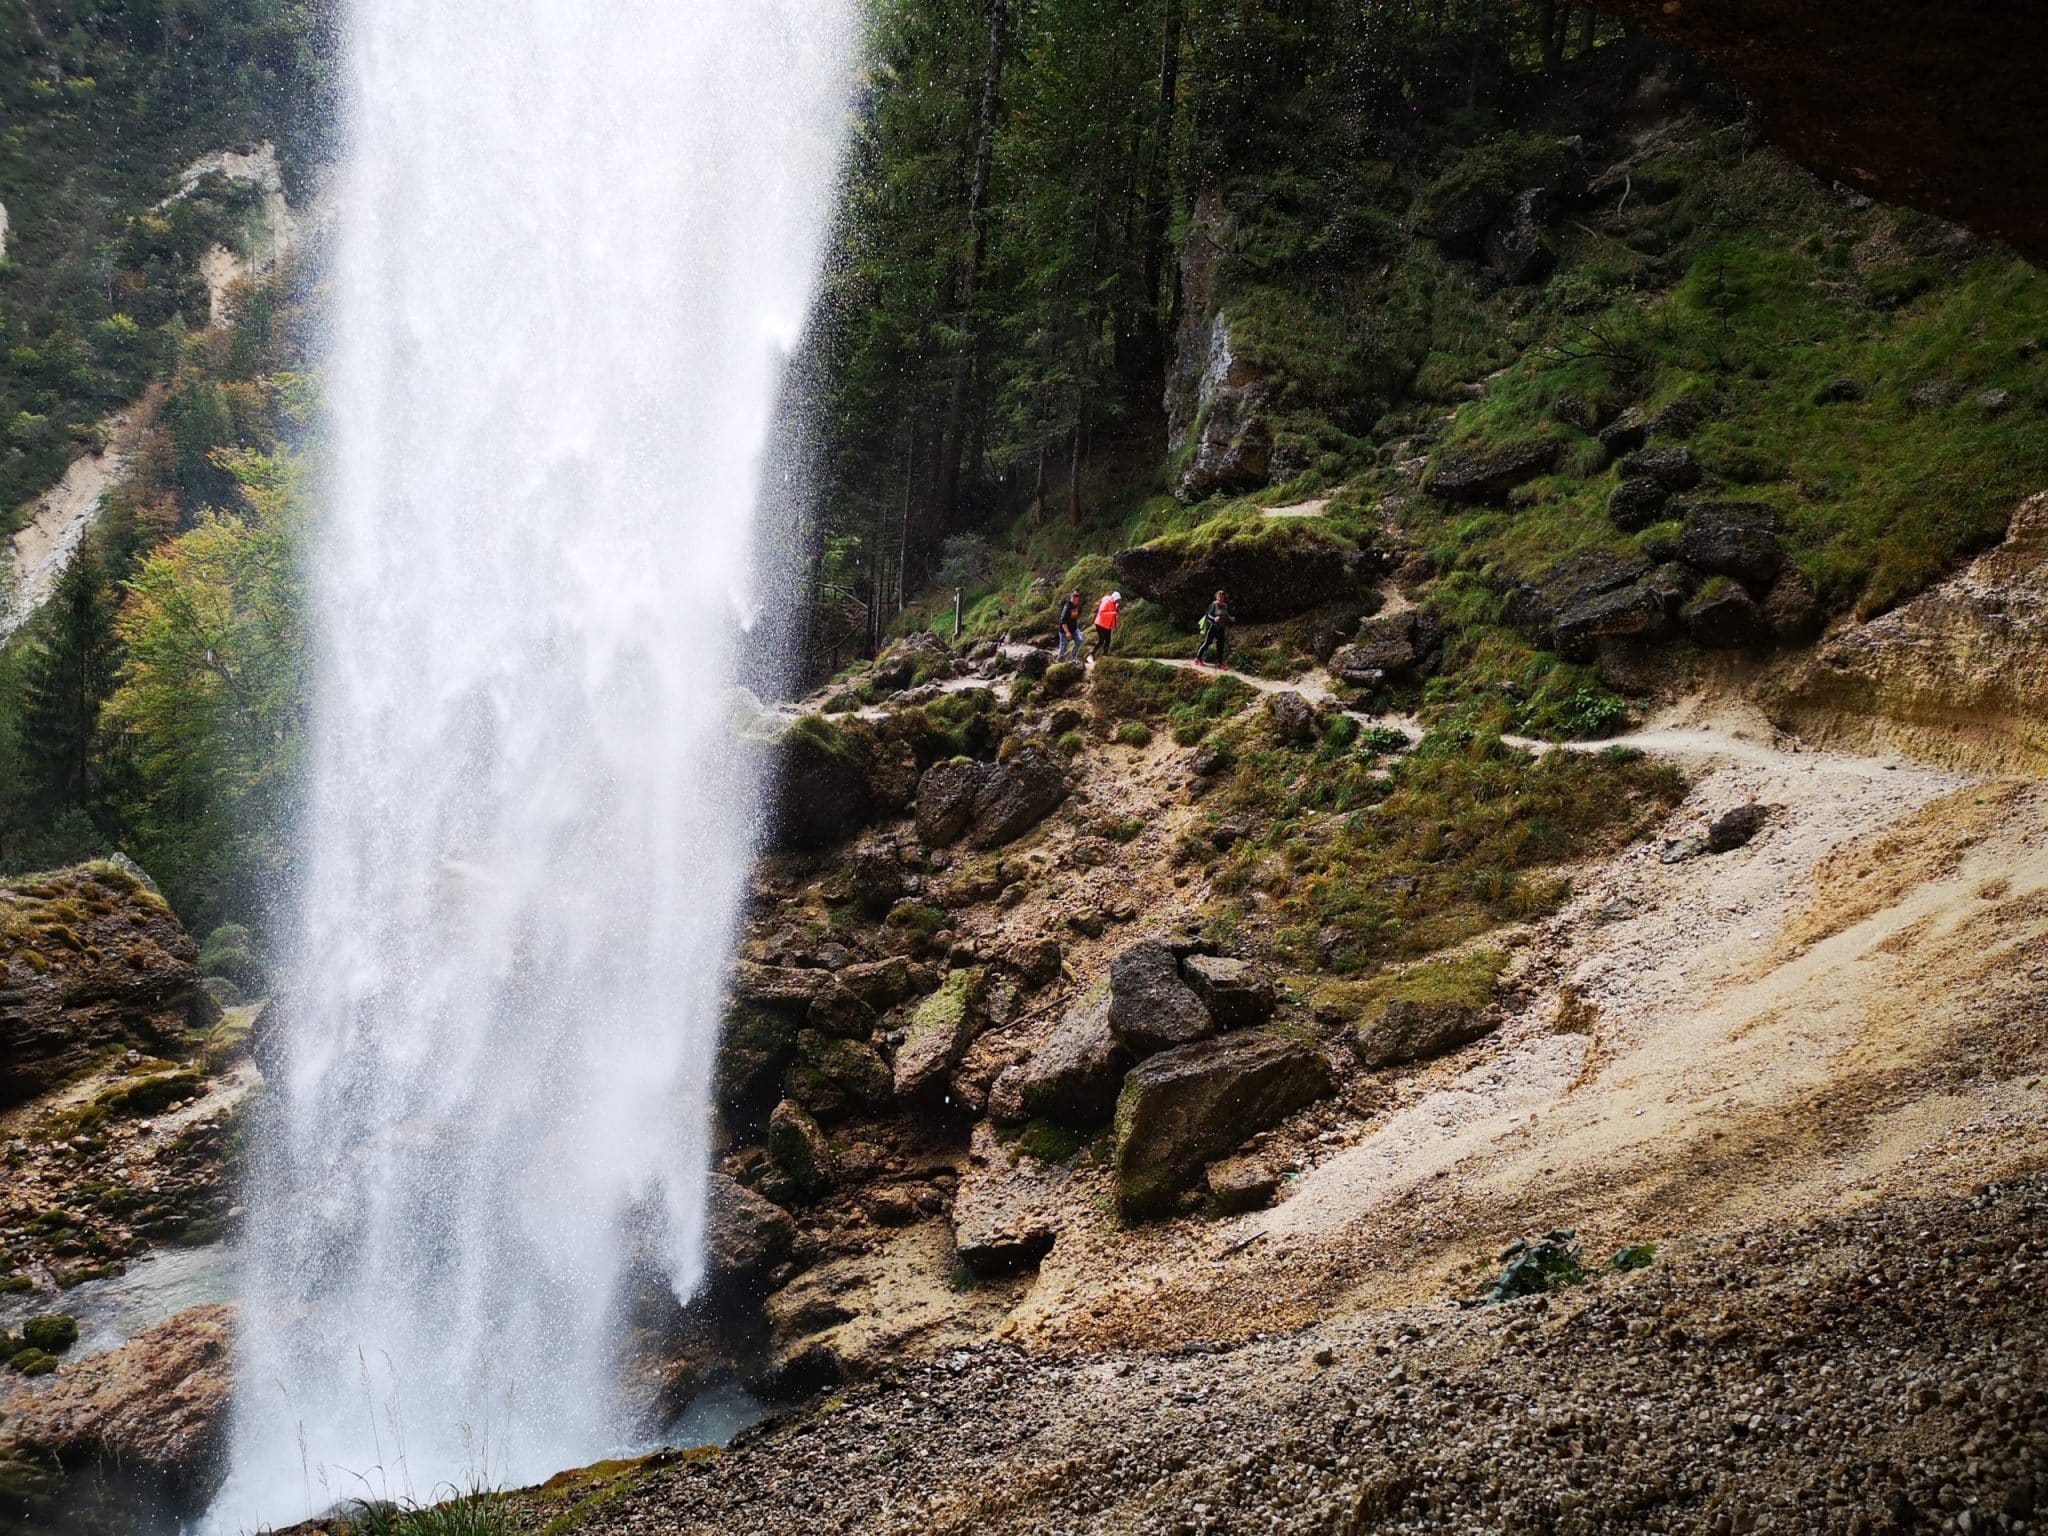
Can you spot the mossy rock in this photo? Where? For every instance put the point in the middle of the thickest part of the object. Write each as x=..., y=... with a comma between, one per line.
x=1273, y=568
x=52, y=1333
x=1420, y=1012
x=32, y=1362
x=941, y=1028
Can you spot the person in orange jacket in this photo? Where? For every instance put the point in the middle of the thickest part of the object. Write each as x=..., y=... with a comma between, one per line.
x=1106, y=613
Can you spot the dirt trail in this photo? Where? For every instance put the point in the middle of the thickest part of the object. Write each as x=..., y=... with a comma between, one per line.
x=43, y=546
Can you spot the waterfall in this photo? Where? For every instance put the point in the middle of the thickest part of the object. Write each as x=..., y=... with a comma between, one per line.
x=576, y=245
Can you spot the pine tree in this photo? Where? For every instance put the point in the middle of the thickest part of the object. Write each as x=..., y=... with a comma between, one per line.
x=69, y=674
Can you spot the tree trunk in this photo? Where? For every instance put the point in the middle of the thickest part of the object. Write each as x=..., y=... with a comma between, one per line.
x=998, y=16
x=1074, y=472
x=1159, y=171
x=1038, y=490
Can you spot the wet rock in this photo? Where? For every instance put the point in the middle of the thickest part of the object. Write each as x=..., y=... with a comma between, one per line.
x=1273, y=570
x=1737, y=828
x=1673, y=468
x=1292, y=718
x=1237, y=994
x=1738, y=539
x=90, y=958
x=1233, y=442
x=1487, y=475
x=882, y=984
x=1636, y=503
x=157, y=1405
x=1073, y=1077
x=746, y=1238
x=1151, y=1006
x=821, y=792
x=1006, y=1212
x=1517, y=248
x=1390, y=648
x=831, y=1077
x=940, y=1031
x=1187, y=1106
x=798, y=1151
x=1724, y=617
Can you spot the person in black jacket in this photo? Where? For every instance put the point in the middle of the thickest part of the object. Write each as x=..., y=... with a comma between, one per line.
x=1215, y=631
x=1070, y=627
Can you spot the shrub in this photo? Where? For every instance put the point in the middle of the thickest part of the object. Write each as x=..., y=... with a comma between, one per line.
x=1134, y=733
x=1536, y=1265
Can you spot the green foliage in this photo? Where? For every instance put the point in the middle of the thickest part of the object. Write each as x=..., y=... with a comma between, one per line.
x=1635, y=1256
x=53, y=1332
x=467, y=1514
x=1536, y=1265
x=1134, y=733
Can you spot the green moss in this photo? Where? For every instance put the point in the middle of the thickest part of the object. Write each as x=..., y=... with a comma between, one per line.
x=1046, y=1142
x=53, y=1333
x=32, y=1362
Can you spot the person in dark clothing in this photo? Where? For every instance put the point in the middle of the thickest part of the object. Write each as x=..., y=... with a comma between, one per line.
x=1215, y=632
x=1070, y=627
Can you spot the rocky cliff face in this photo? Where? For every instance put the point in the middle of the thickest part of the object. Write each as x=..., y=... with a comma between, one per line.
x=91, y=960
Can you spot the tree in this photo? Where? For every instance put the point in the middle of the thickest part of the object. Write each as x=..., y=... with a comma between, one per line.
x=67, y=678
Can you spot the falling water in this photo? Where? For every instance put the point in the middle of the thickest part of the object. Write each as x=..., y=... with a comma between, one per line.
x=577, y=244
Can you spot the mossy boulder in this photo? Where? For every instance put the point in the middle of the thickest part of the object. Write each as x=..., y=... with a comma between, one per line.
x=940, y=1030
x=1486, y=475
x=798, y=1152
x=53, y=1332
x=832, y=1077
x=1073, y=1077
x=1417, y=1013
x=1273, y=568
x=1190, y=1105
x=746, y=1238
x=822, y=794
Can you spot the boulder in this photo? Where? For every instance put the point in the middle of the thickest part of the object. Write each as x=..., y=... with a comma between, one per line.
x=1073, y=1077
x=1190, y=1105
x=1487, y=475
x=1240, y=1184
x=989, y=804
x=1738, y=539
x=1273, y=569
x=1391, y=647
x=1151, y=1008
x=832, y=1076
x=1007, y=1211
x=1035, y=962
x=1631, y=667
x=1292, y=717
x=1406, y=1031
x=1673, y=468
x=1236, y=993
x=1633, y=612
x=1737, y=828
x=1636, y=503
x=1016, y=796
x=1625, y=434
x=746, y=1238
x=945, y=800
x=1793, y=610
x=941, y=1028
x=158, y=1405
x=1724, y=617
x=1681, y=418
x=798, y=1151
x=1566, y=585
x=882, y=984
x=821, y=794
x=90, y=958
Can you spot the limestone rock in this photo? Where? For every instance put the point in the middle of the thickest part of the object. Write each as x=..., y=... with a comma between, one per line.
x=1273, y=569
x=1188, y=1106
x=1569, y=585
x=1675, y=469
x=1073, y=1077
x=1724, y=617
x=945, y=801
x=832, y=1076
x=1487, y=475
x=1006, y=1214
x=1236, y=993
x=821, y=791
x=798, y=1151
x=1391, y=647
x=1292, y=717
x=158, y=1404
x=1016, y=796
x=1793, y=610
x=1239, y=1184
x=1636, y=503
x=1737, y=539
x=90, y=958
x=1151, y=1008
x=941, y=1029
x=1625, y=434
x=1737, y=828
x=746, y=1238
x=1407, y=1031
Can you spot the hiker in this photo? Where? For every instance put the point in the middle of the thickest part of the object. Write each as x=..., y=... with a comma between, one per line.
x=1070, y=627
x=1105, y=622
x=1215, y=632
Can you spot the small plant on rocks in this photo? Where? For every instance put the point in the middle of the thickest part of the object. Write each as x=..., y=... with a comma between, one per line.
x=1537, y=1265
